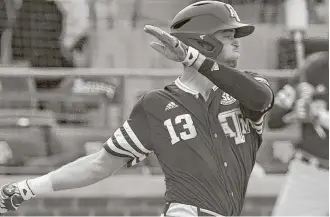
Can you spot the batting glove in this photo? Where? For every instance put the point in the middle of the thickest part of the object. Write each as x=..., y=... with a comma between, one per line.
x=12, y=196
x=171, y=47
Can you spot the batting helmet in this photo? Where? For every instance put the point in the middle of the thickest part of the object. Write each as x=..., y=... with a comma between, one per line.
x=197, y=23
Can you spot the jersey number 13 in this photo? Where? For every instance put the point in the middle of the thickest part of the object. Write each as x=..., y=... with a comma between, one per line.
x=188, y=128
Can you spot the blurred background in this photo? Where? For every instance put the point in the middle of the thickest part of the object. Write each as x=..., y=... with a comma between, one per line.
x=71, y=71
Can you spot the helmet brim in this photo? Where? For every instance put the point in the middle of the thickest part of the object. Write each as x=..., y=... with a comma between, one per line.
x=243, y=30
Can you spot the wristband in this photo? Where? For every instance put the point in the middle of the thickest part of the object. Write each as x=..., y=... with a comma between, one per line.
x=25, y=190
x=192, y=55
x=41, y=185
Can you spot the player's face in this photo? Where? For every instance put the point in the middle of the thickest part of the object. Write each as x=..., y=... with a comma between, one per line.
x=230, y=51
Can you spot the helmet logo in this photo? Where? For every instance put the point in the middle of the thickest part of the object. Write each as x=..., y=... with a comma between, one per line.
x=233, y=13
x=215, y=67
x=202, y=37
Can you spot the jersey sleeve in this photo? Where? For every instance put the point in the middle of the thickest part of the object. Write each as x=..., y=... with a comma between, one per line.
x=256, y=118
x=132, y=139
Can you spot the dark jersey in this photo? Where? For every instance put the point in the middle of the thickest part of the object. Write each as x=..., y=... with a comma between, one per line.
x=207, y=149
x=316, y=73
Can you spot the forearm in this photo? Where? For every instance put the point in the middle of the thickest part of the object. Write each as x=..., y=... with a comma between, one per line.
x=80, y=173
x=251, y=93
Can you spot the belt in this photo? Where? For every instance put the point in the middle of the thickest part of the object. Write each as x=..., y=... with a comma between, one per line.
x=180, y=209
x=311, y=160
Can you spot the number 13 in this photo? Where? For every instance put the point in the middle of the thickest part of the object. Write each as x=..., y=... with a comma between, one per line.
x=189, y=126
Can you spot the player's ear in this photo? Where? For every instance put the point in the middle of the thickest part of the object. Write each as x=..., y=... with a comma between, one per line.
x=206, y=46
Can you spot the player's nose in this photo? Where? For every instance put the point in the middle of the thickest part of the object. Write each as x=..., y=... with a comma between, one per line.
x=236, y=42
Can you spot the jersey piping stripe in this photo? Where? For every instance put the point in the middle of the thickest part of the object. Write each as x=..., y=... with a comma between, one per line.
x=187, y=89
x=130, y=141
x=184, y=87
x=134, y=138
x=124, y=144
x=257, y=127
x=108, y=149
x=119, y=151
x=115, y=142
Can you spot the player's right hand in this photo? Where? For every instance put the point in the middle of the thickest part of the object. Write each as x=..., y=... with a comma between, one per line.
x=12, y=196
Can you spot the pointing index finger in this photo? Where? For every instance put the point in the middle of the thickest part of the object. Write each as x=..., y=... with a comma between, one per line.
x=154, y=31
x=161, y=35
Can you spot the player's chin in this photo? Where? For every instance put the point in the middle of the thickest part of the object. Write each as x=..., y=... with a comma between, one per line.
x=232, y=63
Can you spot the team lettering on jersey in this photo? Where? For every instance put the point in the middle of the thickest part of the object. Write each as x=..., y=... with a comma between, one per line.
x=240, y=125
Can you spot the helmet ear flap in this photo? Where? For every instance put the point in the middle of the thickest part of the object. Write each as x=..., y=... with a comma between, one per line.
x=205, y=44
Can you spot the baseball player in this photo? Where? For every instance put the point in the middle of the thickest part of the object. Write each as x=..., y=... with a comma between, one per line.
x=205, y=128
x=306, y=99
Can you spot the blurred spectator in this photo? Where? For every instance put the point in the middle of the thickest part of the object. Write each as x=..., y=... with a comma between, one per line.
x=51, y=33
x=305, y=100
x=319, y=11
x=269, y=10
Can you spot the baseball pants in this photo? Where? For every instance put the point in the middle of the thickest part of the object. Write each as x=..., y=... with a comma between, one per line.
x=305, y=192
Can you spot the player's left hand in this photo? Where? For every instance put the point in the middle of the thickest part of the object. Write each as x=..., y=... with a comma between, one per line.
x=171, y=47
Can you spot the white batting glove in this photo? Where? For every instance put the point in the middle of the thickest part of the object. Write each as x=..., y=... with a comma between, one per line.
x=171, y=47
x=12, y=196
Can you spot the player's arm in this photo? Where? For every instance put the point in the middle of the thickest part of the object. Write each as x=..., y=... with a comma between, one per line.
x=80, y=173
x=252, y=92
x=128, y=145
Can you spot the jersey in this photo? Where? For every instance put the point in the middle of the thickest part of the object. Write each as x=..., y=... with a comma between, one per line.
x=207, y=149
x=316, y=73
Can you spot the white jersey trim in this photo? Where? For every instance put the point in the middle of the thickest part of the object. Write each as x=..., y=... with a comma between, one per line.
x=124, y=144
x=135, y=138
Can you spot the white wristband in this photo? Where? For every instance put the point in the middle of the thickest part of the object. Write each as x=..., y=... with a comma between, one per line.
x=25, y=190
x=191, y=57
x=41, y=185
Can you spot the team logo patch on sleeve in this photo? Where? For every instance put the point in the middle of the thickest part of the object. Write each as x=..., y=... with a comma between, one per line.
x=227, y=99
x=215, y=67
